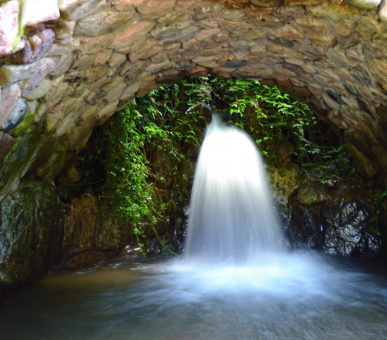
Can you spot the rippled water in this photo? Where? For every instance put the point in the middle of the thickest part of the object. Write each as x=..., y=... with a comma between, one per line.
x=297, y=296
x=270, y=293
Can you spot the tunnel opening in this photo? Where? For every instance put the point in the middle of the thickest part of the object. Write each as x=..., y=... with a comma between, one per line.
x=137, y=169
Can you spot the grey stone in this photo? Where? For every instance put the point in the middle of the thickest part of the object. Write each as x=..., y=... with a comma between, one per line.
x=364, y=4
x=39, y=91
x=31, y=230
x=9, y=96
x=6, y=144
x=103, y=22
x=10, y=74
x=16, y=117
x=9, y=18
x=75, y=10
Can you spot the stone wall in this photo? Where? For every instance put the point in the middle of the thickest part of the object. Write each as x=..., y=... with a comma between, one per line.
x=31, y=232
x=67, y=67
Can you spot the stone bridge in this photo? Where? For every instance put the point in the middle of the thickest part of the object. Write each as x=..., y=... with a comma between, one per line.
x=67, y=67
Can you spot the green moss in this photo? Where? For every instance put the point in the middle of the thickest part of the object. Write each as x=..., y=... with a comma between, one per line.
x=55, y=163
x=19, y=159
x=24, y=125
x=31, y=231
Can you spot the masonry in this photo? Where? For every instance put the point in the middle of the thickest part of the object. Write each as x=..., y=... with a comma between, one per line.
x=68, y=67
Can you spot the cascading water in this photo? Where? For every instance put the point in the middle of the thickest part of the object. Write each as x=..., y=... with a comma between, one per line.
x=232, y=216
x=235, y=280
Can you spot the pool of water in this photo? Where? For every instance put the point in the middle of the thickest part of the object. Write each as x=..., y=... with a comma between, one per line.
x=288, y=296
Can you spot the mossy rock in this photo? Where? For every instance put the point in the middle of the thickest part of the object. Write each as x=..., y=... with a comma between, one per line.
x=30, y=233
x=312, y=192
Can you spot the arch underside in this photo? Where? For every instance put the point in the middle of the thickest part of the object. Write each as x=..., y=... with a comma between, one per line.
x=71, y=71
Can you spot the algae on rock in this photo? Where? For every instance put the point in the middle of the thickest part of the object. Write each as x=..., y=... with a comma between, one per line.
x=31, y=232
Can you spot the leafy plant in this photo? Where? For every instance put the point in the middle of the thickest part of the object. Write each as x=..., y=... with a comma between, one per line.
x=143, y=151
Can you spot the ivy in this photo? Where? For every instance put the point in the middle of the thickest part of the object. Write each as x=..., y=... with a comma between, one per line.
x=142, y=151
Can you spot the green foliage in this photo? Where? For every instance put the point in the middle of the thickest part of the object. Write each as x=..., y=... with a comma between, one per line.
x=137, y=160
x=142, y=151
x=274, y=120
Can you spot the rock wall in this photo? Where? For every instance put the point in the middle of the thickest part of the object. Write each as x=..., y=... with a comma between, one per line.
x=31, y=232
x=68, y=66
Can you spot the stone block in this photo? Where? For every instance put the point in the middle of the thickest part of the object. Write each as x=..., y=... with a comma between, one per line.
x=17, y=115
x=6, y=144
x=147, y=88
x=145, y=53
x=37, y=11
x=39, y=91
x=330, y=101
x=383, y=11
x=103, y=22
x=157, y=67
x=333, y=11
x=173, y=18
x=93, y=45
x=31, y=233
x=9, y=18
x=114, y=94
x=379, y=66
x=73, y=10
x=267, y=3
x=206, y=33
x=364, y=4
x=236, y=4
x=62, y=64
x=153, y=9
x=366, y=166
x=10, y=94
x=63, y=46
x=188, y=5
x=35, y=48
x=64, y=28
x=105, y=113
x=123, y=5
x=179, y=32
x=116, y=60
x=337, y=55
x=136, y=31
x=10, y=74
x=169, y=76
x=130, y=91
x=103, y=57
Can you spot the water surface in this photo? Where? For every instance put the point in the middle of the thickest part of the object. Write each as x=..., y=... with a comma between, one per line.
x=298, y=296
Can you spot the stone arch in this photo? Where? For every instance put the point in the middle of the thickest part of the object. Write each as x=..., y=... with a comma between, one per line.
x=68, y=68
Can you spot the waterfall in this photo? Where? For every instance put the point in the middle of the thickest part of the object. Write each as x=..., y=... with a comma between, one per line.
x=232, y=216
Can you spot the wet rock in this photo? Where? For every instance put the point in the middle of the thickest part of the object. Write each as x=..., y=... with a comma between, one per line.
x=6, y=144
x=154, y=8
x=341, y=225
x=14, y=73
x=37, y=11
x=30, y=233
x=85, y=259
x=383, y=11
x=9, y=13
x=12, y=93
x=90, y=229
x=364, y=4
x=103, y=22
x=17, y=115
x=74, y=10
x=312, y=193
x=366, y=166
